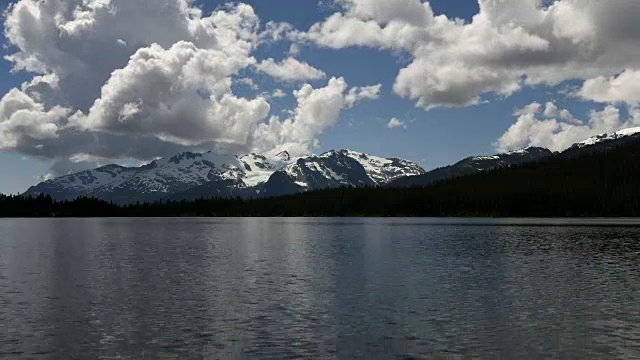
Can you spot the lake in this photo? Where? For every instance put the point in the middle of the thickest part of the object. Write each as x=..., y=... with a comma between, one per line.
x=319, y=288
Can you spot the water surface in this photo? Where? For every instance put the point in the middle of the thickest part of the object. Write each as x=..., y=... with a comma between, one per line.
x=319, y=288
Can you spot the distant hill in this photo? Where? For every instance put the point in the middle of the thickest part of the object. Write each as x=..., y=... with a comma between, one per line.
x=477, y=164
x=473, y=165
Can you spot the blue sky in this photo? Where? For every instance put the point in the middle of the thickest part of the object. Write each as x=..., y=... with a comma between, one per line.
x=440, y=135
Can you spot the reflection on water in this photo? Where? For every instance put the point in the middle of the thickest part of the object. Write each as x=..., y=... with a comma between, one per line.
x=319, y=288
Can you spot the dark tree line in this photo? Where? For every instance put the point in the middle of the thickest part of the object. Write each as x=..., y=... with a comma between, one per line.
x=598, y=184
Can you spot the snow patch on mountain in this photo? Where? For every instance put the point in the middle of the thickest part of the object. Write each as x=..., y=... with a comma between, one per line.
x=257, y=169
x=211, y=174
x=483, y=158
x=90, y=180
x=382, y=170
x=335, y=169
x=185, y=170
x=607, y=137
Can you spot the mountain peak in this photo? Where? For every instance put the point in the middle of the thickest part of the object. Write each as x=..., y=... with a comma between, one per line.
x=380, y=170
x=607, y=137
x=283, y=156
x=338, y=168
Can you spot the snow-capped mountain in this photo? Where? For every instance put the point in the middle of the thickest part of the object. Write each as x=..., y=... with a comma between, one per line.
x=162, y=178
x=335, y=169
x=602, y=138
x=475, y=164
x=382, y=170
x=258, y=168
x=191, y=175
x=83, y=183
x=603, y=142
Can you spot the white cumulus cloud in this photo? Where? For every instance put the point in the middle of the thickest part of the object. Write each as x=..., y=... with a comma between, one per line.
x=247, y=82
x=23, y=120
x=289, y=70
x=556, y=129
x=395, y=123
x=181, y=94
x=622, y=88
x=317, y=109
x=506, y=46
x=278, y=93
x=139, y=79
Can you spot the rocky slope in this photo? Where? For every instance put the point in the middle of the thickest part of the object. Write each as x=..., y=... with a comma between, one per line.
x=335, y=169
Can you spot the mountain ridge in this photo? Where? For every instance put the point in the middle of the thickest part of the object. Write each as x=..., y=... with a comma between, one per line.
x=583, y=185
x=191, y=175
x=188, y=176
x=476, y=164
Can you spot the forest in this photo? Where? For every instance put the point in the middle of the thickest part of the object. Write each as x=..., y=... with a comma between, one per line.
x=601, y=184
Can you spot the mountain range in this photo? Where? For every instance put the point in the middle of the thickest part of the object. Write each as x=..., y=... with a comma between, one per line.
x=189, y=176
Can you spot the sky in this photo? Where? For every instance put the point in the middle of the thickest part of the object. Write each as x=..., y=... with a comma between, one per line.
x=91, y=82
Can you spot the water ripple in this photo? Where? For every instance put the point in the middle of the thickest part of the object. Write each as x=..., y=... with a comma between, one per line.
x=318, y=288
